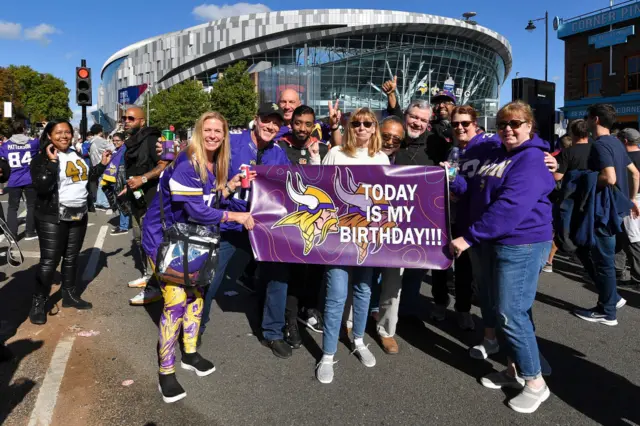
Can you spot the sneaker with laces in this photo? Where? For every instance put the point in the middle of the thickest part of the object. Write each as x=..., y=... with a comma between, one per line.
x=596, y=315
x=324, y=371
x=465, y=321
x=438, y=313
x=529, y=399
x=170, y=388
x=139, y=282
x=146, y=296
x=364, y=355
x=195, y=362
x=500, y=379
x=312, y=319
x=292, y=334
x=279, y=347
x=484, y=349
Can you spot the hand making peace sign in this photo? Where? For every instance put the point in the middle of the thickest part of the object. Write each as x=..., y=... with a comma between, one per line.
x=334, y=114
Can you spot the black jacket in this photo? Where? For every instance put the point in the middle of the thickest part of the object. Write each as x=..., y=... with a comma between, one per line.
x=141, y=158
x=428, y=149
x=6, y=170
x=44, y=175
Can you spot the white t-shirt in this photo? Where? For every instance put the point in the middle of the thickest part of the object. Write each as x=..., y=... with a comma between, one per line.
x=72, y=179
x=335, y=157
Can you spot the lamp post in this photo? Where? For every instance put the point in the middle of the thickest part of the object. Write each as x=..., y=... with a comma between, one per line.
x=530, y=27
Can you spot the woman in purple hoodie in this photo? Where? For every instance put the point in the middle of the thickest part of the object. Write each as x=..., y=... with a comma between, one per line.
x=510, y=227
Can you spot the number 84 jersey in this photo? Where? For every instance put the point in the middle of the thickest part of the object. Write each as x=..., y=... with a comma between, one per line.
x=18, y=151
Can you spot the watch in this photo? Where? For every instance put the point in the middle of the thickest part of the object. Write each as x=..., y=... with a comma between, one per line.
x=144, y=179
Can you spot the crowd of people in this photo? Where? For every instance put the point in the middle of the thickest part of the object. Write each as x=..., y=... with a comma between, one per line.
x=509, y=198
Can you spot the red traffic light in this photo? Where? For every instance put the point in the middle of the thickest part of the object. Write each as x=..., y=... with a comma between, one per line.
x=83, y=72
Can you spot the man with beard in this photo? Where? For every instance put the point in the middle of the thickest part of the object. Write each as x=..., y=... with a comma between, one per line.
x=305, y=282
x=443, y=104
x=143, y=167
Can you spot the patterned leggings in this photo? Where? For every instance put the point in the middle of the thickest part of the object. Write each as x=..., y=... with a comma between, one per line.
x=182, y=310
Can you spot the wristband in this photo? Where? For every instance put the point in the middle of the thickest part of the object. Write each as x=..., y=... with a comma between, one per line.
x=335, y=128
x=231, y=191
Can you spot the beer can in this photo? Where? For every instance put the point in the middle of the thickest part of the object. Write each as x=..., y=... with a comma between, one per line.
x=167, y=135
x=245, y=183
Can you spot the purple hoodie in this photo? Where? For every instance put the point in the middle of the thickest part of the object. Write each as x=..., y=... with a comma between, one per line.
x=508, y=196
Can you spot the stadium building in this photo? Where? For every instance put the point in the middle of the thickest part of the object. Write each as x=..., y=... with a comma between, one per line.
x=325, y=54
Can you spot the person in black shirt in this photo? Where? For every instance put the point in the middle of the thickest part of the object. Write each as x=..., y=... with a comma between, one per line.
x=300, y=144
x=631, y=139
x=576, y=157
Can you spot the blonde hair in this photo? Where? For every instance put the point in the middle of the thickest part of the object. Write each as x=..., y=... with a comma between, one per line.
x=198, y=154
x=517, y=108
x=375, y=142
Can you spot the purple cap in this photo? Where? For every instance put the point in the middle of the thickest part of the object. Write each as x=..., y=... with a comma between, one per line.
x=444, y=95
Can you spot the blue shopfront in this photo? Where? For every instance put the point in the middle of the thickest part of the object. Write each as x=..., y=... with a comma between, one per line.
x=627, y=108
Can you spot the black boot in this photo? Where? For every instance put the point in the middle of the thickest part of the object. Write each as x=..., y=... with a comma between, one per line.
x=38, y=312
x=170, y=388
x=71, y=300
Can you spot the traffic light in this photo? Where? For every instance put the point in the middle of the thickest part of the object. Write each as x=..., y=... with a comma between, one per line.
x=83, y=86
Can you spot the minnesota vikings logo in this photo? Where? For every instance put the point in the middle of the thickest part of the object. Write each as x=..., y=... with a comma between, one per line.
x=356, y=216
x=316, y=216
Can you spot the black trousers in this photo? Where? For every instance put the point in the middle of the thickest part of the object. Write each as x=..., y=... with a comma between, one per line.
x=15, y=194
x=59, y=240
x=305, y=287
x=462, y=281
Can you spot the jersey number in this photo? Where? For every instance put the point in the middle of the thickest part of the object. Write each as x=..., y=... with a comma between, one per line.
x=75, y=174
x=15, y=161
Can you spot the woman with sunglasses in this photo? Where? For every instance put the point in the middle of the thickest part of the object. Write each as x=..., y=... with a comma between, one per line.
x=190, y=186
x=362, y=146
x=510, y=231
x=60, y=177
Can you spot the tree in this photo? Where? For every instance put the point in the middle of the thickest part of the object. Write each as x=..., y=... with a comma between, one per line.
x=181, y=106
x=234, y=95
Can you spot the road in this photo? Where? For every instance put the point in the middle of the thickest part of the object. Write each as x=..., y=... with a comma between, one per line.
x=61, y=378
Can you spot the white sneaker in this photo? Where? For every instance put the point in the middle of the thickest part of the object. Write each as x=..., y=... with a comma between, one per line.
x=146, y=296
x=621, y=303
x=324, y=371
x=484, y=349
x=139, y=282
x=364, y=354
x=547, y=268
x=465, y=321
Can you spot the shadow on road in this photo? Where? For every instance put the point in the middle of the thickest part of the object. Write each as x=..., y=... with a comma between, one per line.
x=15, y=300
x=12, y=395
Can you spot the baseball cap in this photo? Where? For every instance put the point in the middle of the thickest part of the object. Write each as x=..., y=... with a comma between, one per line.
x=630, y=134
x=269, y=108
x=444, y=95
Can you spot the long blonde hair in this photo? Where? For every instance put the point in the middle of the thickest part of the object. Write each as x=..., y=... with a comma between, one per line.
x=198, y=155
x=375, y=143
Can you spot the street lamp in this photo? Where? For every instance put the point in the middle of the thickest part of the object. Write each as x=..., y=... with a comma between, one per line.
x=531, y=27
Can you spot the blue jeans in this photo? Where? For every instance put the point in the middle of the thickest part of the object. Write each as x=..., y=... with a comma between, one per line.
x=410, y=296
x=101, y=199
x=273, y=319
x=482, y=266
x=337, y=278
x=233, y=256
x=599, y=262
x=125, y=221
x=516, y=272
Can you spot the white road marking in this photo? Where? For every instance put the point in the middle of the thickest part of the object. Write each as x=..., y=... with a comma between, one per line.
x=31, y=254
x=48, y=393
x=90, y=270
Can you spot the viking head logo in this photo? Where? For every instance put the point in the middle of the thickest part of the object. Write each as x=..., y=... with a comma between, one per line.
x=316, y=215
x=356, y=216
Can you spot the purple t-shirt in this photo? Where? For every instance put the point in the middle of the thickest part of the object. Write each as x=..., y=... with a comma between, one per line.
x=19, y=154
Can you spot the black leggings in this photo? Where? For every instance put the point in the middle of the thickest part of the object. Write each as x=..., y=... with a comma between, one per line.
x=59, y=240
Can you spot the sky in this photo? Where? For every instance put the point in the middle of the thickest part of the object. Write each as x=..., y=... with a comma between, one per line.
x=52, y=36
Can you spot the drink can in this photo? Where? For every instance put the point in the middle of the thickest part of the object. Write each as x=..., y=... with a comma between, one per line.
x=167, y=135
x=244, y=169
x=168, y=150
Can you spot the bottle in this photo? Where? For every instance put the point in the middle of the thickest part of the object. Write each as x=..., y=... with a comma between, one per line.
x=454, y=163
x=138, y=193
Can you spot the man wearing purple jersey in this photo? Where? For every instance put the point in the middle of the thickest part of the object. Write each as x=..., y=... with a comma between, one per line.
x=18, y=152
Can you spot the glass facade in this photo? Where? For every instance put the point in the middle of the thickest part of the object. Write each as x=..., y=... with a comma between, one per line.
x=353, y=69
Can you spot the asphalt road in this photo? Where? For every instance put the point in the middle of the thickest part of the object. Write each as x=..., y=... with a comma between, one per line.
x=432, y=380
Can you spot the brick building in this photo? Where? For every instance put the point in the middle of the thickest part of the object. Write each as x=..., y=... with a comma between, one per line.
x=602, y=61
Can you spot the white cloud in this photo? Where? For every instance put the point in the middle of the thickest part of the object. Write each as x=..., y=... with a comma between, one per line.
x=10, y=30
x=71, y=54
x=40, y=33
x=212, y=12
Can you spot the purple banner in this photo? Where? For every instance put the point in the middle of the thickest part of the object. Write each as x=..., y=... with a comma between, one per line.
x=387, y=216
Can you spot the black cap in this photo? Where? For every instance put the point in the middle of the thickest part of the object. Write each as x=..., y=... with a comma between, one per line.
x=95, y=129
x=268, y=108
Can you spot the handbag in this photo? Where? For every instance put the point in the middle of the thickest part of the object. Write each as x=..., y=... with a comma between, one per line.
x=188, y=253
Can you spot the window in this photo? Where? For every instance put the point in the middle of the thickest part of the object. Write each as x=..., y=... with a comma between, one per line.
x=593, y=79
x=633, y=74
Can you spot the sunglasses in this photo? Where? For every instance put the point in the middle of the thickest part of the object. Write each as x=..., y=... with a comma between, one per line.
x=514, y=124
x=130, y=118
x=366, y=124
x=394, y=139
x=465, y=124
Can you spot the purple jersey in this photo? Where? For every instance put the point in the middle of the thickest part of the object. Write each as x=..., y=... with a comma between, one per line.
x=18, y=152
x=185, y=199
